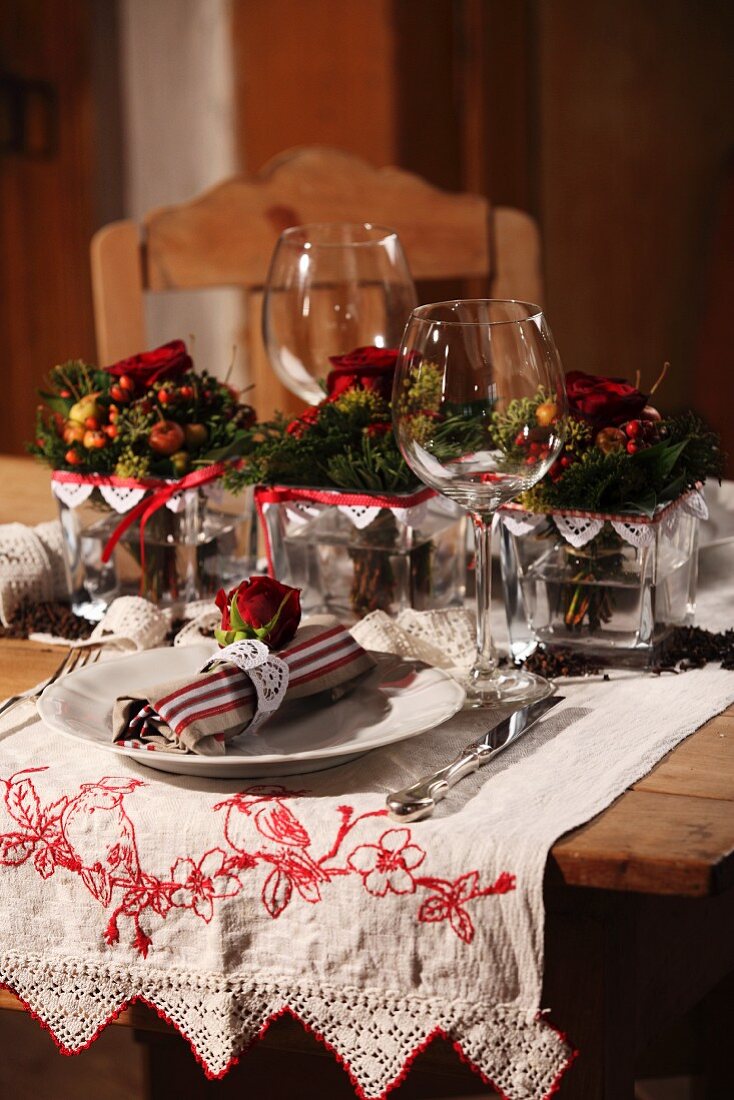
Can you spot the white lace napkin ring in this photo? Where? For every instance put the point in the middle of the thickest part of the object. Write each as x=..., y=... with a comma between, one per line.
x=268, y=673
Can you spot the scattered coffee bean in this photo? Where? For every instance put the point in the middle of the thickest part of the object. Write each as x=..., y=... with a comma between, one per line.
x=48, y=617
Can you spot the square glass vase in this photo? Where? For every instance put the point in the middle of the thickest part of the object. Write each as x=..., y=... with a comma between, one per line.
x=353, y=553
x=610, y=587
x=193, y=544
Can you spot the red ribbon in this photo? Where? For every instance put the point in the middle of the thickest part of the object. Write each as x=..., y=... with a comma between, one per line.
x=150, y=504
x=281, y=494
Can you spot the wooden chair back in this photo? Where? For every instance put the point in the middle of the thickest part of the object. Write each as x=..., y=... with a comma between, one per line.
x=225, y=237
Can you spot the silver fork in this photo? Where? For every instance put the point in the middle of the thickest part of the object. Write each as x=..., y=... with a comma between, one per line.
x=75, y=659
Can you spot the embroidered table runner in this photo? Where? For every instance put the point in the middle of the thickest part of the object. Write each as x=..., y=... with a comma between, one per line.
x=223, y=904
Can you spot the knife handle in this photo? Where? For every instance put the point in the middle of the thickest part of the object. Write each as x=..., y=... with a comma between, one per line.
x=419, y=800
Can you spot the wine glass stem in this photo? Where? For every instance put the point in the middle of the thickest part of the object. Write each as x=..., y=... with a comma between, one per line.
x=484, y=664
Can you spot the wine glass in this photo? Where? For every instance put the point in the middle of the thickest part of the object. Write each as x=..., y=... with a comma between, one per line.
x=469, y=377
x=332, y=287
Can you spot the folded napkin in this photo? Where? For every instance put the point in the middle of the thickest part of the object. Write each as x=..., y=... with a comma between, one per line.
x=238, y=689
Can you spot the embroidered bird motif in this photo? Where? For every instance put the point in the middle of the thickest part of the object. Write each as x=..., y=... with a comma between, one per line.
x=101, y=837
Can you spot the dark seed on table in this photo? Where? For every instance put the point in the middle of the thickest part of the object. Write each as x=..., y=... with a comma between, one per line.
x=48, y=617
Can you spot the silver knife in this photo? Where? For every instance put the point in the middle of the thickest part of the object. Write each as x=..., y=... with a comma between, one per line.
x=419, y=800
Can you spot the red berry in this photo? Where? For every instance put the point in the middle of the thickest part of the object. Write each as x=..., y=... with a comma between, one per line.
x=72, y=457
x=127, y=383
x=632, y=447
x=530, y=460
x=186, y=392
x=164, y=396
x=118, y=394
x=565, y=461
x=92, y=423
x=64, y=393
x=110, y=430
x=520, y=439
x=207, y=394
x=633, y=429
x=534, y=448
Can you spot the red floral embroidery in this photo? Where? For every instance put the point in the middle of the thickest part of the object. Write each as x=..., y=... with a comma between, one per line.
x=387, y=865
x=260, y=829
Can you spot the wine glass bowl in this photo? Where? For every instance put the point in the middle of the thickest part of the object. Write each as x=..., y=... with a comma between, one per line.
x=331, y=288
x=469, y=379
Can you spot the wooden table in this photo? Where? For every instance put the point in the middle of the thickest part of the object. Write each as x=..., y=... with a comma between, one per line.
x=640, y=918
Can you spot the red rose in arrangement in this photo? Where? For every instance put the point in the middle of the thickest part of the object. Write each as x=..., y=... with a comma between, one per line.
x=368, y=368
x=603, y=402
x=163, y=364
x=260, y=608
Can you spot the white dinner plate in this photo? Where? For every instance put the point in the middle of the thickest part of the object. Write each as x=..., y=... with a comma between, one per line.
x=399, y=699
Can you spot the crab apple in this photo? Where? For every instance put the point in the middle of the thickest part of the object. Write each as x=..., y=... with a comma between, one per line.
x=546, y=413
x=632, y=428
x=180, y=463
x=73, y=432
x=166, y=437
x=126, y=383
x=164, y=396
x=196, y=435
x=118, y=394
x=632, y=447
x=609, y=440
x=110, y=431
x=186, y=392
x=92, y=423
x=94, y=440
x=73, y=457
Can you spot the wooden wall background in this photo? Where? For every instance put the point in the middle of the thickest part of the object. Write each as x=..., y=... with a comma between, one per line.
x=610, y=120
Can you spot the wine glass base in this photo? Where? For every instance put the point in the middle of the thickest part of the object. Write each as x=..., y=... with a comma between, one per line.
x=505, y=686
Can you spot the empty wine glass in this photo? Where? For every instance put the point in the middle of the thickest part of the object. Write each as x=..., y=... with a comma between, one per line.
x=469, y=377
x=331, y=288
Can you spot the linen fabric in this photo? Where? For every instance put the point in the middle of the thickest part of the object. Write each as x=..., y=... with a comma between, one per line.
x=202, y=714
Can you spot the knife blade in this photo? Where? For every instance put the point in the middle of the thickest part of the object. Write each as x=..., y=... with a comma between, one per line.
x=419, y=799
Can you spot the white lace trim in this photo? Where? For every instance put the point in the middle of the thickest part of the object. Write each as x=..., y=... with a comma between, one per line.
x=268, y=673
x=375, y=1032
x=362, y=515
x=121, y=498
x=71, y=493
x=578, y=529
x=31, y=565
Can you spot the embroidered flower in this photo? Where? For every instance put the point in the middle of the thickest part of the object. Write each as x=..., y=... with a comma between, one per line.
x=450, y=898
x=198, y=884
x=387, y=865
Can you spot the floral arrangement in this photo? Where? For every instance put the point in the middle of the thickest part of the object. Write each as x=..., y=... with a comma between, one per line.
x=621, y=455
x=347, y=441
x=150, y=415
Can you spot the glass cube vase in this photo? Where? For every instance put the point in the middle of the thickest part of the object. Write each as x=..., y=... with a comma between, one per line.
x=352, y=553
x=610, y=587
x=196, y=542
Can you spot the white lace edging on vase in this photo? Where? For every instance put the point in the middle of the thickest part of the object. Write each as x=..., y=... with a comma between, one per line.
x=121, y=498
x=578, y=528
x=373, y=1032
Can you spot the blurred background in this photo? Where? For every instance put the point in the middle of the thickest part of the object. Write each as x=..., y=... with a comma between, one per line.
x=610, y=121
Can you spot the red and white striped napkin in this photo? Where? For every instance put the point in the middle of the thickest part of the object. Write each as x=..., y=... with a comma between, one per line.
x=200, y=714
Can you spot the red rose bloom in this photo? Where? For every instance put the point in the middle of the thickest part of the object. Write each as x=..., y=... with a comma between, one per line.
x=163, y=364
x=603, y=402
x=260, y=608
x=368, y=368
